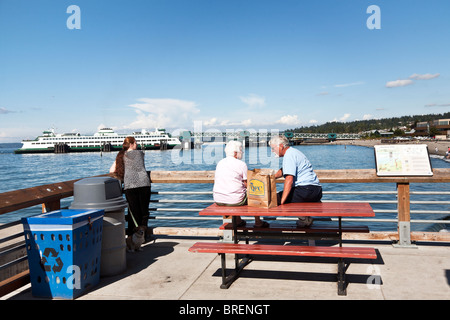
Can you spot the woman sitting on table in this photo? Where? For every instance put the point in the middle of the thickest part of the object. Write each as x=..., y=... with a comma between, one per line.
x=230, y=181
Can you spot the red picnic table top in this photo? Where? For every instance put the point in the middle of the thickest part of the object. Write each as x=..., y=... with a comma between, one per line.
x=316, y=209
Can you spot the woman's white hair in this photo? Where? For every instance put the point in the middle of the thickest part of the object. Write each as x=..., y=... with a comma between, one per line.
x=232, y=147
x=277, y=140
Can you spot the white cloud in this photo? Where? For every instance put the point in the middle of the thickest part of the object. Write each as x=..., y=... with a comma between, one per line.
x=245, y=123
x=312, y=121
x=437, y=105
x=162, y=113
x=399, y=83
x=5, y=111
x=342, y=119
x=426, y=76
x=288, y=120
x=101, y=126
x=226, y=123
x=18, y=133
x=407, y=82
x=367, y=117
x=348, y=84
x=210, y=122
x=253, y=100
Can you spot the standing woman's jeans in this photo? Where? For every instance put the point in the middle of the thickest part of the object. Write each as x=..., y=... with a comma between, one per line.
x=138, y=202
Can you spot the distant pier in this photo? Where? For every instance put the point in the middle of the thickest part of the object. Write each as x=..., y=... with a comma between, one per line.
x=256, y=138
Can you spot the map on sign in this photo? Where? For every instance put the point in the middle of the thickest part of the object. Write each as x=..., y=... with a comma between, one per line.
x=403, y=160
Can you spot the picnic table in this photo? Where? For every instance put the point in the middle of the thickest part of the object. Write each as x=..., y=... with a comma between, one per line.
x=315, y=209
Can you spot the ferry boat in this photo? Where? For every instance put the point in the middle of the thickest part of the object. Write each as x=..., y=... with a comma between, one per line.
x=104, y=140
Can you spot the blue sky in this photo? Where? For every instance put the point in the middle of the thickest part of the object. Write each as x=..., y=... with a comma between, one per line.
x=219, y=64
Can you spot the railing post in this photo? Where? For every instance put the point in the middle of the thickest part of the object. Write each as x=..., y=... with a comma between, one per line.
x=404, y=217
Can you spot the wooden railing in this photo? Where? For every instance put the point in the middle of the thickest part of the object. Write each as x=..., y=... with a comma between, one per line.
x=50, y=196
x=402, y=235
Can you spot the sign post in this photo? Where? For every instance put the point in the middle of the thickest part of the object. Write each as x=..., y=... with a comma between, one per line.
x=403, y=160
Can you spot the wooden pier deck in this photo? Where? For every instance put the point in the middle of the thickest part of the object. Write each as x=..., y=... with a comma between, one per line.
x=166, y=270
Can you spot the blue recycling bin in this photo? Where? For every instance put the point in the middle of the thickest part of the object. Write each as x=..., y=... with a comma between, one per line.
x=64, y=252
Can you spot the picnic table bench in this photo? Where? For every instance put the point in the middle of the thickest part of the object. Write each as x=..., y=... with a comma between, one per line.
x=291, y=231
x=316, y=209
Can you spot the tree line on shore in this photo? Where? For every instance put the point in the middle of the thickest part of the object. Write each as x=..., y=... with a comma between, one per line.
x=391, y=124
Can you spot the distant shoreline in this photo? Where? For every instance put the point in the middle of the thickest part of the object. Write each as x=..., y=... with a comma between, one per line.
x=10, y=144
x=432, y=145
x=441, y=145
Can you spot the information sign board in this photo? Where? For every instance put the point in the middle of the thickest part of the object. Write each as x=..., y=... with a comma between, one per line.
x=403, y=160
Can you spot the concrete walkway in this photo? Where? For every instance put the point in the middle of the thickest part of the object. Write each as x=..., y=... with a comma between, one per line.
x=166, y=270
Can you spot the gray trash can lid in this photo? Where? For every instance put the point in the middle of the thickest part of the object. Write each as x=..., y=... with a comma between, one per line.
x=98, y=193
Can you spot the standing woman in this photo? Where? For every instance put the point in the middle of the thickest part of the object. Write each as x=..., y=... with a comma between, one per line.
x=130, y=168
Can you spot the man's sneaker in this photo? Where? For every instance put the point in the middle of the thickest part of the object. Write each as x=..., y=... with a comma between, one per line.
x=304, y=222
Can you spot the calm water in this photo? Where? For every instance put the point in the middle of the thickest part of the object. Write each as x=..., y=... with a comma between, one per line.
x=24, y=171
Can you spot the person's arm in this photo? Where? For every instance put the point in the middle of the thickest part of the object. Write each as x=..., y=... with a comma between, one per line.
x=113, y=168
x=288, y=182
x=279, y=173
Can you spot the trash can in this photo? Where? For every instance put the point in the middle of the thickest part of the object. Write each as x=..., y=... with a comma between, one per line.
x=64, y=252
x=106, y=193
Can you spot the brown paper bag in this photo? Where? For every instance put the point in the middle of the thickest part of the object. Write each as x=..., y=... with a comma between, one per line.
x=261, y=188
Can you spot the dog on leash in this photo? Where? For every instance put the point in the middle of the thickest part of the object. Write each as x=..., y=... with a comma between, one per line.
x=135, y=241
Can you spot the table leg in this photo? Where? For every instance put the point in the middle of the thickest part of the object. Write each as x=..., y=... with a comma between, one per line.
x=224, y=270
x=233, y=221
x=235, y=238
x=342, y=290
x=228, y=280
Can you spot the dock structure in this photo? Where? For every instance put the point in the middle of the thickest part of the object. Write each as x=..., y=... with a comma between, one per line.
x=266, y=135
x=410, y=264
x=262, y=137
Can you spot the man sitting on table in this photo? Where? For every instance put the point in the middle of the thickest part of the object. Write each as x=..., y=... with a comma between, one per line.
x=301, y=183
x=230, y=181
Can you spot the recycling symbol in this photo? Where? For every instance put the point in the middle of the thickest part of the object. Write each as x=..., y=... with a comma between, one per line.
x=57, y=267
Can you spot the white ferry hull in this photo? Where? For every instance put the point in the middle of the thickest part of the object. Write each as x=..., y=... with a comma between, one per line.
x=86, y=149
